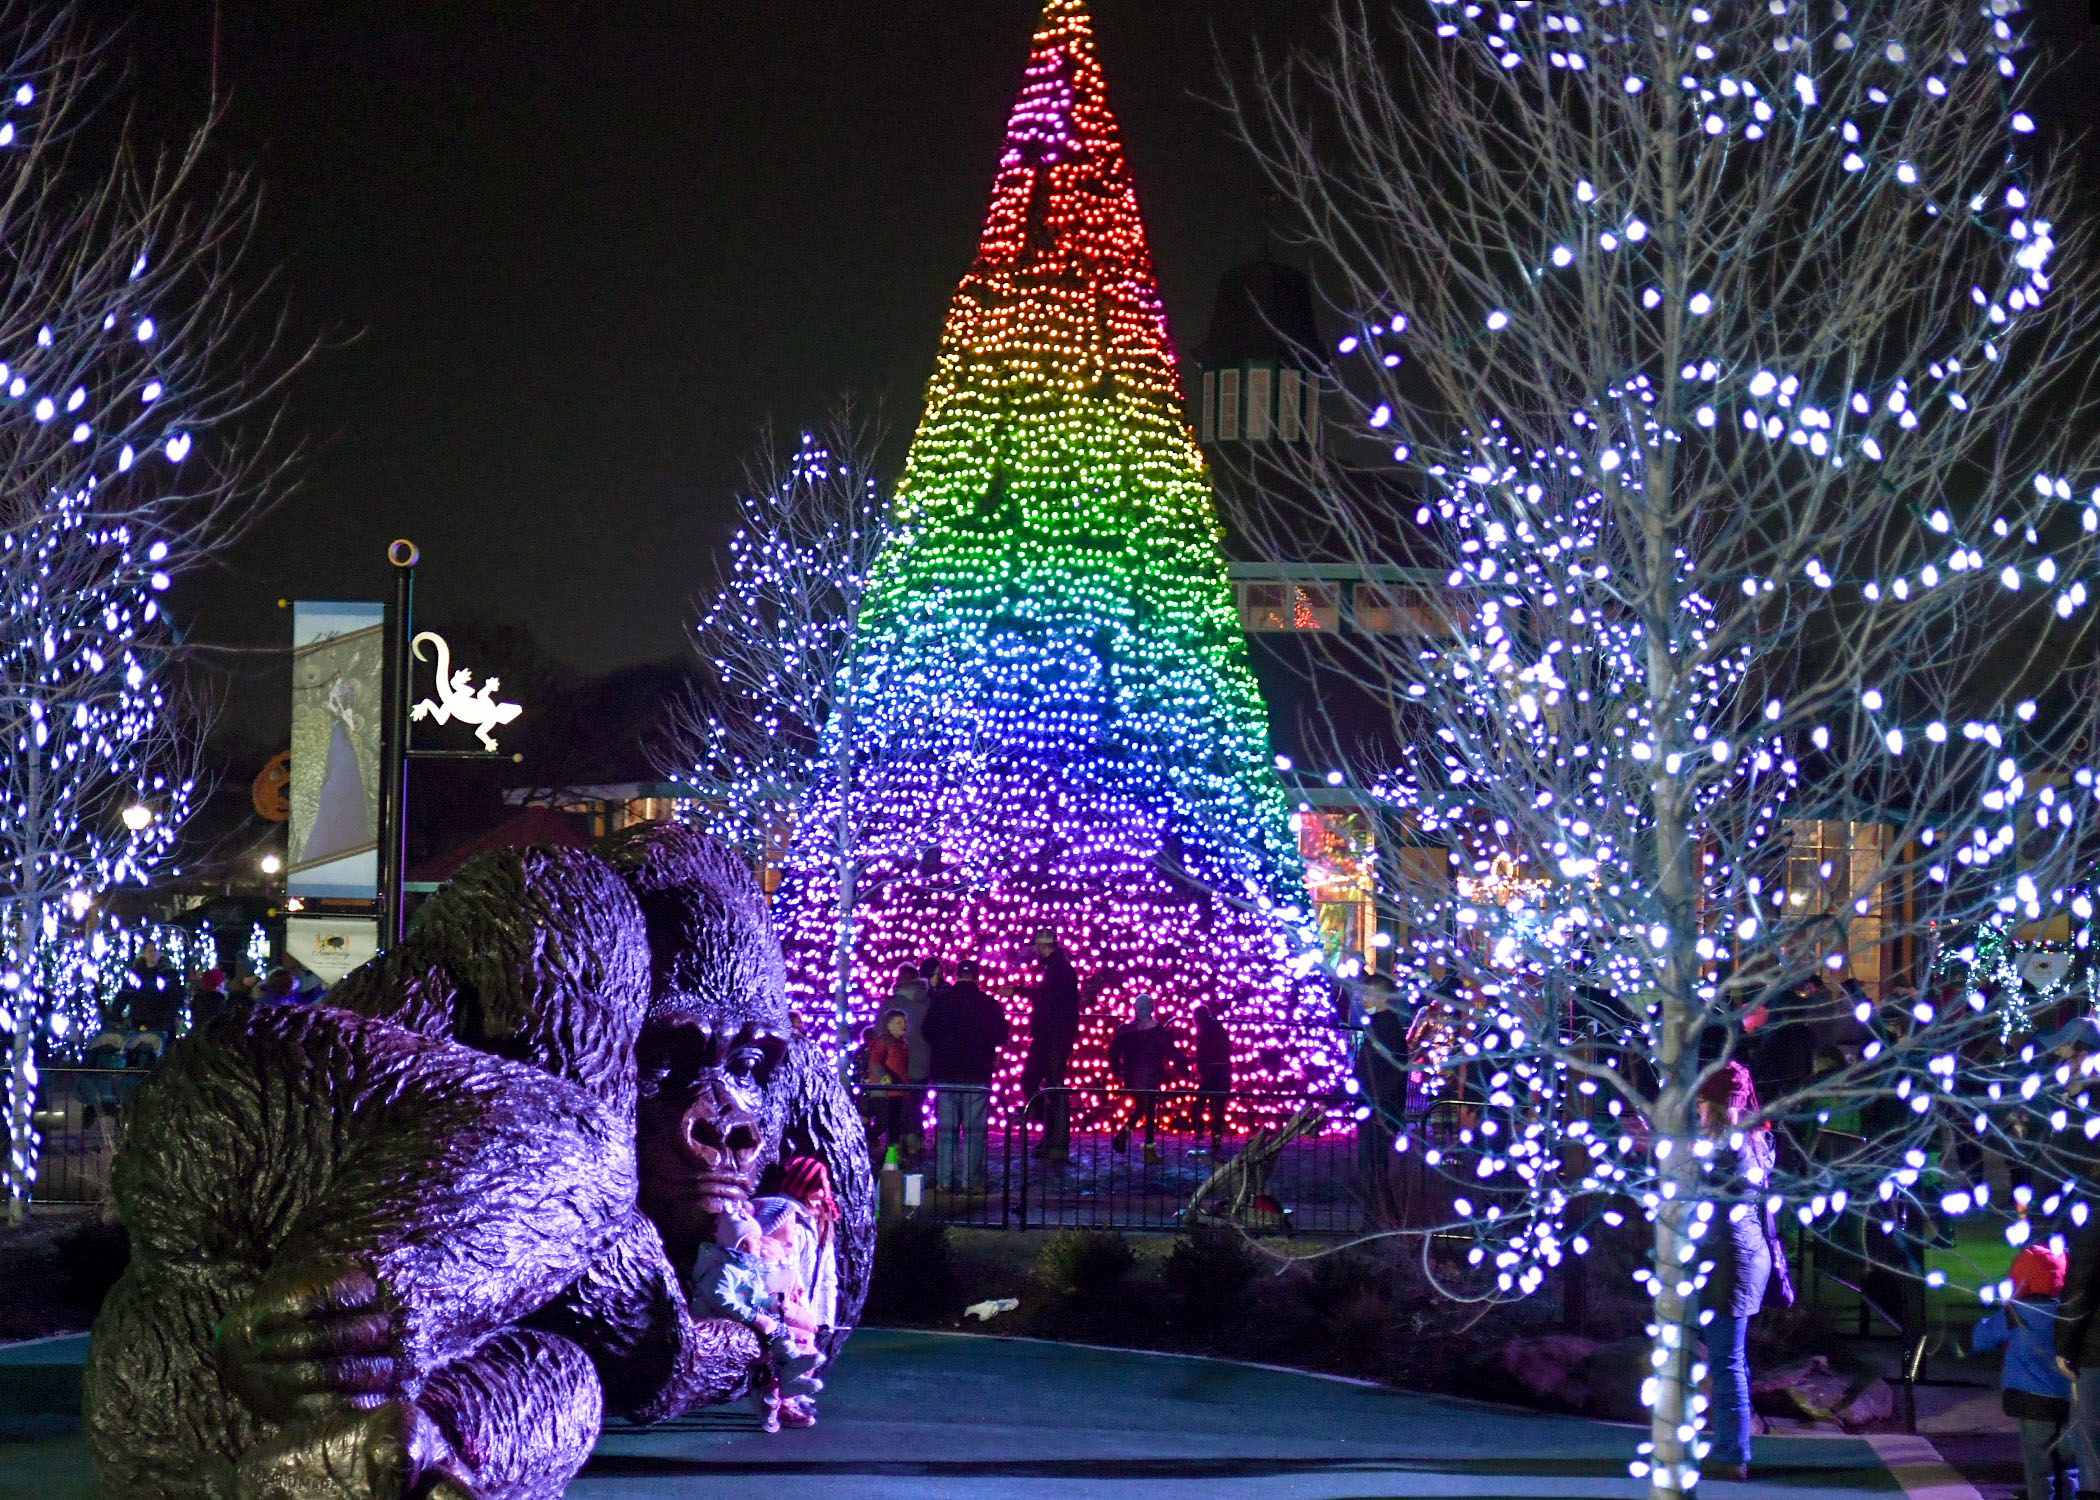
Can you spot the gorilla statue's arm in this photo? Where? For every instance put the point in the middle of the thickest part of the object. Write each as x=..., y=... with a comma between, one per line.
x=656, y=1360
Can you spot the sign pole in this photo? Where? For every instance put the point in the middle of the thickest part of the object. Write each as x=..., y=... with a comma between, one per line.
x=393, y=744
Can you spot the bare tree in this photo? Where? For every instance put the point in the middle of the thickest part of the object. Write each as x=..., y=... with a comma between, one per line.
x=1731, y=361
x=776, y=724
x=133, y=371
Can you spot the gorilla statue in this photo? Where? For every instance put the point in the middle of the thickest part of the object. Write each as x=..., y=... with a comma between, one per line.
x=418, y=1240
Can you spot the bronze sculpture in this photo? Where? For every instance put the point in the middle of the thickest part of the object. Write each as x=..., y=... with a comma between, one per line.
x=419, y=1240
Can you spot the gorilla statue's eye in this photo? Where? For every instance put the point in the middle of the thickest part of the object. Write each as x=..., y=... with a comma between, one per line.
x=746, y=1060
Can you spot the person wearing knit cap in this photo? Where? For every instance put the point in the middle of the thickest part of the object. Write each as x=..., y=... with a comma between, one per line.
x=2034, y=1392
x=1750, y=1261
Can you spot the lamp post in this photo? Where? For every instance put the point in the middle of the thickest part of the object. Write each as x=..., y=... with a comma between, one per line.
x=393, y=742
x=455, y=701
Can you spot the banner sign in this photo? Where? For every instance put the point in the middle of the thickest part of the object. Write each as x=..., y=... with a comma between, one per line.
x=331, y=946
x=338, y=654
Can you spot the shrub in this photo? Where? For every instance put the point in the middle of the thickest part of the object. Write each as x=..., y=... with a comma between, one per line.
x=914, y=1280
x=1208, y=1273
x=1087, y=1262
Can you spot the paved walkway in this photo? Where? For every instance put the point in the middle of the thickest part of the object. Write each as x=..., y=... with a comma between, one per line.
x=918, y=1415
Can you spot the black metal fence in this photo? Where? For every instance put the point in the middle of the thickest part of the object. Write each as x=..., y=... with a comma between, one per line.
x=79, y=1116
x=1116, y=1159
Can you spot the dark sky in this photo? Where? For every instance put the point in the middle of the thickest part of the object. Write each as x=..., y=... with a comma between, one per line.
x=574, y=253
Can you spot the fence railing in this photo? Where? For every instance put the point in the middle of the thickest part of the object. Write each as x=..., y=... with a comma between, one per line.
x=79, y=1115
x=1154, y=1159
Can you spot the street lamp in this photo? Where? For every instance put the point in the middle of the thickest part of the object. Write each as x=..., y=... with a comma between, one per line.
x=271, y=864
x=137, y=816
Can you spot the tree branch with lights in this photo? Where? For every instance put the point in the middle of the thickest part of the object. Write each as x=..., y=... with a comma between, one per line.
x=1730, y=367
x=136, y=372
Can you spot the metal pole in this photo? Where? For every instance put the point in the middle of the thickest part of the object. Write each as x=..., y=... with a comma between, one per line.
x=393, y=743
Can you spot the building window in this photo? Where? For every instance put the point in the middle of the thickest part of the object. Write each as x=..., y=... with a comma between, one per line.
x=1258, y=410
x=1833, y=869
x=1228, y=405
x=1289, y=606
x=1341, y=872
x=1379, y=609
x=1207, y=417
x=1312, y=410
x=1290, y=391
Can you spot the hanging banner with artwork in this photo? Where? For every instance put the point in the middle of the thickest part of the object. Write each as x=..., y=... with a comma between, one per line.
x=330, y=946
x=337, y=657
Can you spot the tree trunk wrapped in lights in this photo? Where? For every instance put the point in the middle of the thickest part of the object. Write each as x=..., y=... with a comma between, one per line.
x=1091, y=753
x=1731, y=363
x=120, y=301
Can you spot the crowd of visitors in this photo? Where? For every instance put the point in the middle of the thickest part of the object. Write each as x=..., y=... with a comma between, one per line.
x=941, y=1039
x=153, y=1005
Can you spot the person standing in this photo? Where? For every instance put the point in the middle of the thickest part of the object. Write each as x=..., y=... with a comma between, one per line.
x=2078, y=1347
x=2033, y=1391
x=1749, y=1258
x=208, y=998
x=1139, y=1055
x=908, y=993
x=965, y=1028
x=1381, y=1091
x=1053, y=1028
x=1213, y=1072
x=888, y=1069
x=153, y=1005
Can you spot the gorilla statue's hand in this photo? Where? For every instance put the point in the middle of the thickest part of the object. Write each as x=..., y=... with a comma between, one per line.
x=315, y=1336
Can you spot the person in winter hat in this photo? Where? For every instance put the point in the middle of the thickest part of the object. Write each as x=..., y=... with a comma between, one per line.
x=2033, y=1391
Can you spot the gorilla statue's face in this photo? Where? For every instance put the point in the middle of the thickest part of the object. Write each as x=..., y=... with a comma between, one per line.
x=697, y=1132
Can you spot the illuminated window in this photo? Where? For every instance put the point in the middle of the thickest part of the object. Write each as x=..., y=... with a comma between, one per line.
x=1832, y=868
x=1289, y=606
x=1341, y=872
x=1228, y=404
x=1290, y=393
x=1207, y=421
x=1382, y=610
x=1258, y=384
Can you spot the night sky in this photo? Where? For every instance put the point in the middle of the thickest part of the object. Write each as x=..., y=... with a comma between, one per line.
x=570, y=255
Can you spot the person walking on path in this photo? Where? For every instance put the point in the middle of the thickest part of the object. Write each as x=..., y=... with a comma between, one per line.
x=1053, y=1028
x=2034, y=1392
x=1140, y=1055
x=1750, y=1260
x=965, y=1028
x=1213, y=1072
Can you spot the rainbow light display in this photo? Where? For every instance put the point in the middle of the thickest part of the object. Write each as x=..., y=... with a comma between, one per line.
x=1088, y=748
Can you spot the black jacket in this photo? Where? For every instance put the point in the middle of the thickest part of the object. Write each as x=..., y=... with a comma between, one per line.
x=2077, y=1331
x=153, y=999
x=1053, y=1017
x=1140, y=1059
x=1381, y=1064
x=964, y=1030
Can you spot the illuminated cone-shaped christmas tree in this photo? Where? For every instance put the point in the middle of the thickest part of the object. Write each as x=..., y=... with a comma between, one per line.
x=1052, y=719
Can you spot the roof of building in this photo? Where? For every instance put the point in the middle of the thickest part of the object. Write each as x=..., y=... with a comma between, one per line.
x=531, y=827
